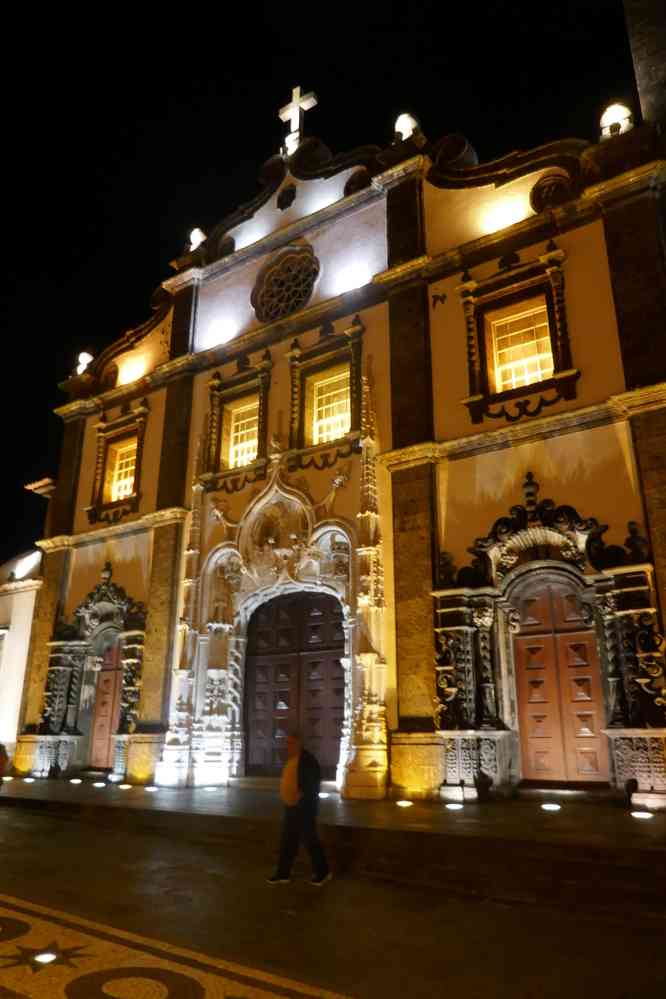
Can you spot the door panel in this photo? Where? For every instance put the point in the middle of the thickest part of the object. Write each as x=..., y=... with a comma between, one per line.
x=560, y=697
x=582, y=707
x=294, y=680
x=539, y=700
x=106, y=717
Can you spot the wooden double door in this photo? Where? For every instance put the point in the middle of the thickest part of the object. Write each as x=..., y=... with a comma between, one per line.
x=294, y=680
x=560, y=695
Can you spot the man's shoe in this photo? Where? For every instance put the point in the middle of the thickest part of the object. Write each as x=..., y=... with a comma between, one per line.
x=277, y=880
x=320, y=880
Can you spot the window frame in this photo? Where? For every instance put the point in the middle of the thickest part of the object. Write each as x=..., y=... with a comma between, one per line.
x=331, y=351
x=130, y=425
x=223, y=393
x=230, y=409
x=312, y=380
x=541, y=279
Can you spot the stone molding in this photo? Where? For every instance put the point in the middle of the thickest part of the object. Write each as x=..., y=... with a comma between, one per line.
x=20, y=586
x=651, y=176
x=150, y=520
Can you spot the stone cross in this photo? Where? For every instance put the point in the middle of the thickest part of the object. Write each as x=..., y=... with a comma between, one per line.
x=293, y=113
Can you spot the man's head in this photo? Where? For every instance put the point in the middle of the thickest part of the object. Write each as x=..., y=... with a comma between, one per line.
x=294, y=744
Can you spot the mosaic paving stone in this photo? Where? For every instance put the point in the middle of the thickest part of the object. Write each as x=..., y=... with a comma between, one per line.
x=89, y=961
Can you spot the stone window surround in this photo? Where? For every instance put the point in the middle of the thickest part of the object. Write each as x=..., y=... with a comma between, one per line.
x=130, y=423
x=247, y=381
x=517, y=283
x=331, y=351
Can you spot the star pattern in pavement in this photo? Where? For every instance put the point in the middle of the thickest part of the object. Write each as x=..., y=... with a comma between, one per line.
x=28, y=956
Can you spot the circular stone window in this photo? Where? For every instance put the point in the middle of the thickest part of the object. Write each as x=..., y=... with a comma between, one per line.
x=285, y=283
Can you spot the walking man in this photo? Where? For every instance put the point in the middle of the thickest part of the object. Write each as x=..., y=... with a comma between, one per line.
x=299, y=790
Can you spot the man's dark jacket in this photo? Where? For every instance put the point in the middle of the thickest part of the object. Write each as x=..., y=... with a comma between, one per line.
x=309, y=781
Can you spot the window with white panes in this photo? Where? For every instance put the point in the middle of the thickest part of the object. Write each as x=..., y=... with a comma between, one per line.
x=123, y=457
x=521, y=347
x=243, y=433
x=331, y=408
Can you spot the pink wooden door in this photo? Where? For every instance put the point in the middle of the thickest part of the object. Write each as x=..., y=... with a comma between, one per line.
x=107, y=712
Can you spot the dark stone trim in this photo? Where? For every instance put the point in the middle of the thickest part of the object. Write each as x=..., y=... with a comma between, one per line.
x=184, y=320
x=324, y=456
x=63, y=505
x=175, y=444
x=411, y=368
x=235, y=479
x=565, y=153
x=405, y=226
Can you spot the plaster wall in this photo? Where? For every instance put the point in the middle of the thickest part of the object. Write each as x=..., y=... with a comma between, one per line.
x=311, y=196
x=454, y=216
x=593, y=470
x=150, y=465
x=149, y=353
x=591, y=322
x=130, y=555
x=350, y=252
x=16, y=611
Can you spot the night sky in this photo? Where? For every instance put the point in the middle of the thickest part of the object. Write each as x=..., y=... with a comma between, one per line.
x=120, y=138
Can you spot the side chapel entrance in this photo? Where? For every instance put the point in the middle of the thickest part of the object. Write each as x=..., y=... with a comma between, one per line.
x=107, y=709
x=558, y=678
x=294, y=680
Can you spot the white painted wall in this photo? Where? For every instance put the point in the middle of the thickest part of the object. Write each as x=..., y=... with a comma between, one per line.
x=17, y=602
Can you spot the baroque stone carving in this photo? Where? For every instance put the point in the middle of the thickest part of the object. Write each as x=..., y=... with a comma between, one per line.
x=285, y=283
x=539, y=529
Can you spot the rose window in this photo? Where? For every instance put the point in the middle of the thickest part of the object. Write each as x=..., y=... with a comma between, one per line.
x=285, y=284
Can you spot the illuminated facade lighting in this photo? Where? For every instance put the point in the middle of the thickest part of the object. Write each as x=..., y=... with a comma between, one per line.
x=404, y=803
x=455, y=806
x=131, y=370
x=99, y=783
x=503, y=212
x=46, y=957
x=28, y=780
x=642, y=815
x=550, y=806
x=405, y=126
x=615, y=120
x=83, y=361
x=25, y=565
x=151, y=788
x=76, y=780
x=197, y=236
x=7, y=778
x=124, y=787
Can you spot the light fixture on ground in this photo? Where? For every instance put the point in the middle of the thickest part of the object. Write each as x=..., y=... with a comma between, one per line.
x=151, y=788
x=28, y=780
x=124, y=787
x=46, y=957
x=550, y=806
x=210, y=789
x=324, y=794
x=404, y=803
x=76, y=780
x=7, y=778
x=642, y=815
x=455, y=806
x=99, y=783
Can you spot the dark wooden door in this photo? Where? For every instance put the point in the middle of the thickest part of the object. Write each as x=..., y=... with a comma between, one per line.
x=294, y=680
x=107, y=711
x=560, y=697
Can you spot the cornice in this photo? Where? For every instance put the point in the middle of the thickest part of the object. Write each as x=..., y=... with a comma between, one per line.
x=640, y=400
x=651, y=176
x=173, y=515
x=20, y=586
x=417, y=166
x=308, y=224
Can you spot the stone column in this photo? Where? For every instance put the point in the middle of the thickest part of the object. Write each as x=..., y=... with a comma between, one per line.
x=161, y=622
x=649, y=431
x=47, y=609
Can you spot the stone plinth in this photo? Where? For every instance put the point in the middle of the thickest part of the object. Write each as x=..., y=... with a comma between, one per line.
x=142, y=757
x=418, y=764
x=366, y=775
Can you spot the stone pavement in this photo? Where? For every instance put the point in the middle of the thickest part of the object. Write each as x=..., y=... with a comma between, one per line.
x=201, y=910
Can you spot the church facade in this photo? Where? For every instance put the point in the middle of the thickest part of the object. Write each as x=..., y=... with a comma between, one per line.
x=387, y=465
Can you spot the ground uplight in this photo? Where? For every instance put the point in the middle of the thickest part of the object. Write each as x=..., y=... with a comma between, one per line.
x=324, y=794
x=46, y=957
x=404, y=804
x=642, y=815
x=7, y=778
x=76, y=780
x=454, y=806
x=99, y=783
x=124, y=787
x=550, y=806
x=151, y=788
x=28, y=780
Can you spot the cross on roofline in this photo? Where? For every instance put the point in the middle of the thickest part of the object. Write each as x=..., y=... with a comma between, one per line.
x=293, y=113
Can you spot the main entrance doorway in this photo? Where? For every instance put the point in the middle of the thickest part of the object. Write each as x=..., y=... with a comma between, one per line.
x=558, y=677
x=107, y=710
x=294, y=680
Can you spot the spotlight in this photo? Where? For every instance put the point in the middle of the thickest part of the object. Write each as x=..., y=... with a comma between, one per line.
x=455, y=806
x=550, y=806
x=151, y=788
x=642, y=815
x=404, y=804
x=28, y=780
x=8, y=778
x=324, y=794
x=124, y=787
x=99, y=783
x=76, y=780
x=46, y=957
x=210, y=789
